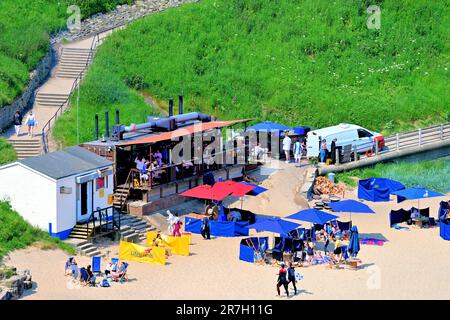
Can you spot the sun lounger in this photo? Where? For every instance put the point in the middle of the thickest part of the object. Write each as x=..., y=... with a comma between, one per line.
x=123, y=276
x=115, y=262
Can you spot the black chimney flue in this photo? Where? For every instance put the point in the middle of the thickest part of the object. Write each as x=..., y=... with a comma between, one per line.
x=170, y=107
x=180, y=104
x=106, y=124
x=117, y=117
x=96, y=126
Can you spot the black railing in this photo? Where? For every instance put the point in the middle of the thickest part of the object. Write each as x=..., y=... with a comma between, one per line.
x=46, y=128
x=102, y=221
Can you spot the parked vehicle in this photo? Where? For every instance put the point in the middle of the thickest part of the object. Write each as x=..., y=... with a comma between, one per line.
x=361, y=139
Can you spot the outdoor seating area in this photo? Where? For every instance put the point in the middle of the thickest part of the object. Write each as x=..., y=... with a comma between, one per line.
x=115, y=271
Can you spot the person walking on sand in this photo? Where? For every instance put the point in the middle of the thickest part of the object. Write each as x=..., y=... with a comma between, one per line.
x=171, y=222
x=291, y=276
x=206, y=230
x=31, y=123
x=287, y=146
x=282, y=280
x=297, y=152
x=17, y=122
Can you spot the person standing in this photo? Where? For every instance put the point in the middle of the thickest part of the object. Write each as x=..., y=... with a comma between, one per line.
x=282, y=280
x=177, y=226
x=291, y=276
x=287, y=142
x=333, y=151
x=326, y=240
x=17, y=122
x=31, y=123
x=323, y=150
x=206, y=230
x=297, y=151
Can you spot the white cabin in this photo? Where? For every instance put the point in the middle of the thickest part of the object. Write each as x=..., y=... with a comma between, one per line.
x=58, y=190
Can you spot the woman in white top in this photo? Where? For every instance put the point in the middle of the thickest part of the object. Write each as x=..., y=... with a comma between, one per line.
x=31, y=123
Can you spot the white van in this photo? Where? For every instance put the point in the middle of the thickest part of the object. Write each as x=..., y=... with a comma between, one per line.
x=359, y=137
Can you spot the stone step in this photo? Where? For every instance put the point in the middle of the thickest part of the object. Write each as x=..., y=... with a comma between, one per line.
x=49, y=94
x=51, y=98
x=93, y=253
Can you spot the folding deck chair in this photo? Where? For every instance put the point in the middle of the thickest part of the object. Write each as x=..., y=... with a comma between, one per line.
x=96, y=264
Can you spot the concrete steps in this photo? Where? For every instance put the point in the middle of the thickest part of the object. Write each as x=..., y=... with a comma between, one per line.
x=51, y=99
x=134, y=229
x=73, y=62
x=26, y=148
x=85, y=248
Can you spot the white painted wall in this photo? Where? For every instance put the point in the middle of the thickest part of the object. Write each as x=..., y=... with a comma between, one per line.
x=32, y=195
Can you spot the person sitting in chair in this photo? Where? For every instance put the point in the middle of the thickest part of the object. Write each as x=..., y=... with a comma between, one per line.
x=70, y=265
x=234, y=216
x=121, y=273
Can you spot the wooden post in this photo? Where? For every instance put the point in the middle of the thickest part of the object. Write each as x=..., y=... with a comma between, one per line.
x=442, y=132
x=397, y=141
x=338, y=160
x=376, y=147
x=355, y=155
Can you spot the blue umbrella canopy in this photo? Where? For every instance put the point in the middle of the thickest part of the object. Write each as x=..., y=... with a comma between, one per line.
x=351, y=206
x=416, y=193
x=268, y=126
x=313, y=215
x=353, y=245
x=276, y=225
x=258, y=189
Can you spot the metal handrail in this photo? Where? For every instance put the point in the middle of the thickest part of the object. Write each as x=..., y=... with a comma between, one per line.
x=46, y=128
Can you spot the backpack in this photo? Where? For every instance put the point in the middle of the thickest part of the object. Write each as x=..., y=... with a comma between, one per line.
x=105, y=283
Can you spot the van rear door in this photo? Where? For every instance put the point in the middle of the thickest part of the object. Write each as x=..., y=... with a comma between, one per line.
x=312, y=144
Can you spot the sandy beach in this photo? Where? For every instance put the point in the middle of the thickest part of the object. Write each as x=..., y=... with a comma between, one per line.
x=412, y=264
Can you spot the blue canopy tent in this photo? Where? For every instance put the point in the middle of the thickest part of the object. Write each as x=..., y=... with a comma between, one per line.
x=377, y=189
x=269, y=126
x=275, y=225
x=444, y=223
x=416, y=193
x=256, y=191
x=350, y=206
x=313, y=216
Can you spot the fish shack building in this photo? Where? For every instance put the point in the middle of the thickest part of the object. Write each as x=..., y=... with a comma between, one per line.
x=61, y=190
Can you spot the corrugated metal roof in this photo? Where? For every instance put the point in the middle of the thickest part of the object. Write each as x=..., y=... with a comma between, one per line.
x=67, y=162
x=200, y=127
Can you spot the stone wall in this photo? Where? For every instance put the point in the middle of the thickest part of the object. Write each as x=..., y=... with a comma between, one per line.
x=26, y=100
x=122, y=15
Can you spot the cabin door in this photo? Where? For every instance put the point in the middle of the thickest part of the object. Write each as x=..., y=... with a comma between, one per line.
x=84, y=201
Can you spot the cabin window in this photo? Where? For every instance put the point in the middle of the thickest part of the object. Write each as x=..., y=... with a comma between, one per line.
x=100, y=183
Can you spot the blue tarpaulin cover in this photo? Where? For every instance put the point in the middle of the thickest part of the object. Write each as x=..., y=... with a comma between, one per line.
x=250, y=246
x=258, y=189
x=402, y=215
x=415, y=193
x=378, y=189
x=444, y=227
x=218, y=228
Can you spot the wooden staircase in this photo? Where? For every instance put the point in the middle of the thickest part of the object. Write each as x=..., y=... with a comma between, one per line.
x=80, y=231
x=121, y=195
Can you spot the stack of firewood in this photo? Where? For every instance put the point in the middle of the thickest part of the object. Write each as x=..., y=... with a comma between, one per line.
x=324, y=186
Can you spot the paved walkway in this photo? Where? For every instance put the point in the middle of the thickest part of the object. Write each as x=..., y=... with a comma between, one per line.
x=55, y=86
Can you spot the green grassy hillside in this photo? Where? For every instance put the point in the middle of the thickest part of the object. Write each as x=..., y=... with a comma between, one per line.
x=427, y=174
x=7, y=152
x=306, y=63
x=24, y=36
x=16, y=233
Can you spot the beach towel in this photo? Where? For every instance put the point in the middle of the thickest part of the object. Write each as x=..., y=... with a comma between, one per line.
x=374, y=242
x=397, y=227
